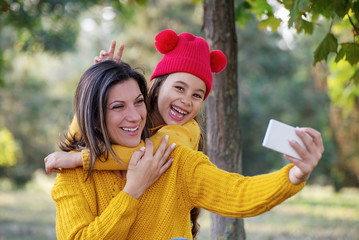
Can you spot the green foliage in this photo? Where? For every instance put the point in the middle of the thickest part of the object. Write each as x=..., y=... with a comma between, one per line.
x=343, y=94
x=328, y=45
x=9, y=150
x=349, y=51
x=278, y=85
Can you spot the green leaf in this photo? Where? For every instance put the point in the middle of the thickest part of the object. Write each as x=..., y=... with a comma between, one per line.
x=352, y=53
x=328, y=45
x=355, y=77
x=355, y=9
x=341, y=7
x=341, y=53
x=271, y=22
x=307, y=27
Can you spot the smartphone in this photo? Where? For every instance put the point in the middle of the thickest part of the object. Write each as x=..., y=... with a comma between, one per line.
x=277, y=138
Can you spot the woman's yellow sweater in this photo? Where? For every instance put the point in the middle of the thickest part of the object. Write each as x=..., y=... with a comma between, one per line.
x=187, y=135
x=99, y=209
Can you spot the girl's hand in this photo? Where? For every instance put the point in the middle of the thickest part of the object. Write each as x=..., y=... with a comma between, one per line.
x=109, y=55
x=145, y=168
x=310, y=155
x=57, y=160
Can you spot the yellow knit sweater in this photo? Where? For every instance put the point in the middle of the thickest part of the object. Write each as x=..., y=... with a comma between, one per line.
x=185, y=135
x=99, y=209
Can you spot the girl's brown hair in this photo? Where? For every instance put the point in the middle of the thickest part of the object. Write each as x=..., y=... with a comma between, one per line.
x=156, y=118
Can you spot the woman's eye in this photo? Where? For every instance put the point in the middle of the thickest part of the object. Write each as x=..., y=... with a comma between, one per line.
x=117, y=107
x=140, y=101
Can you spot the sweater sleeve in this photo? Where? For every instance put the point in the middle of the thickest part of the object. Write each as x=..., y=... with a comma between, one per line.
x=185, y=135
x=74, y=130
x=77, y=217
x=231, y=194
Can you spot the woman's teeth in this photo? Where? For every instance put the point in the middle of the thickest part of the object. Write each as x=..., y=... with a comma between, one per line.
x=130, y=129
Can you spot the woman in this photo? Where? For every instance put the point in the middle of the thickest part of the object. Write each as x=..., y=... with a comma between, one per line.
x=102, y=206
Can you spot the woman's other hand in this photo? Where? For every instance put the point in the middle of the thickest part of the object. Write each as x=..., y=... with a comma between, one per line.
x=145, y=168
x=57, y=160
x=109, y=55
x=310, y=155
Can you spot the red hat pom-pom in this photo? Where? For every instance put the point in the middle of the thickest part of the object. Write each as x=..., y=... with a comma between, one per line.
x=166, y=41
x=218, y=61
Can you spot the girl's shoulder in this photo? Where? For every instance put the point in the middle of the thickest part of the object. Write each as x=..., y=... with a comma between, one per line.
x=187, y=134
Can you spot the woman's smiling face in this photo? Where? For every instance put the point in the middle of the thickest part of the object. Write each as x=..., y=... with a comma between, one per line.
x=125, y=113
x=180, y=98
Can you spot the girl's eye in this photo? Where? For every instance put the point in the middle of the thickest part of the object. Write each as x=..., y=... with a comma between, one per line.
x=179, y=88
x=197, y=96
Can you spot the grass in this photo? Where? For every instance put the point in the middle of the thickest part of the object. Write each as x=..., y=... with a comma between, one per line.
x=316, y=212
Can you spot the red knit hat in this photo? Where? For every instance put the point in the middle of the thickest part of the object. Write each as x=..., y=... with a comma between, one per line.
x=190, y=54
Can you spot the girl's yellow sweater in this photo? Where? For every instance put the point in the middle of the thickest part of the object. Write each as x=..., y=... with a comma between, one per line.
x=99, y=209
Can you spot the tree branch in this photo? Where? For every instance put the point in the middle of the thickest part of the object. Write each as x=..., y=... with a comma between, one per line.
x=355, y=27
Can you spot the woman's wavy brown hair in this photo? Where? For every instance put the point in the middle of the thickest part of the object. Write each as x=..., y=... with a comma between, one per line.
x=90, y=108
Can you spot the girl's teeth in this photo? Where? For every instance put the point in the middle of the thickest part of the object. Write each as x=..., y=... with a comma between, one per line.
x=178, y=110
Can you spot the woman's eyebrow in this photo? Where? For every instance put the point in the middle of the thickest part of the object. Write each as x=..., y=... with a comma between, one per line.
x=120, y=101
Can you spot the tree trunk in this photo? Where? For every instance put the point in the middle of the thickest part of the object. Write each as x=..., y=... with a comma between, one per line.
x=222, y=115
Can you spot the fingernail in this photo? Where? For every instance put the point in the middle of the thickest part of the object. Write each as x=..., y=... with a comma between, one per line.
x=173, y=145
x=166, y=137
x=142, y=149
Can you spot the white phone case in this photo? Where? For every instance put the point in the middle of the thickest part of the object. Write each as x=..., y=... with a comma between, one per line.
x=277, y=138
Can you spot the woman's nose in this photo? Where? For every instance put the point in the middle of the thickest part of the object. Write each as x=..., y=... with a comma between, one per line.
x=133, y=114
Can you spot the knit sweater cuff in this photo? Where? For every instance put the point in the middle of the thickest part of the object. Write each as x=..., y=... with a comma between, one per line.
x=85, y=159
x=126, y=200
x=292, y=188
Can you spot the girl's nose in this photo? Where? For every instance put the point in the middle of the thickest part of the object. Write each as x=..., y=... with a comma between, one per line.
x=186, y=100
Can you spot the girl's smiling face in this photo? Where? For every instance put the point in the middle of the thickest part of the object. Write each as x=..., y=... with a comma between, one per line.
x=125, y=113
x=180, y=98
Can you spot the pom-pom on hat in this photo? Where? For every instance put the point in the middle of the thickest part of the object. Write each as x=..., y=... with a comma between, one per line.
x=190, y=54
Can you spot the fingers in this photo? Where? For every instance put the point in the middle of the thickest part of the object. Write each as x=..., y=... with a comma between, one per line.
x=119, y=53
x=149, y=149
x=49, y=165
x=316, y=137
x=97, y=59
x=166, y=166
x=312, y=141
x=111, y=51
x=136, y=157
x=104, y=54
x=161, y=148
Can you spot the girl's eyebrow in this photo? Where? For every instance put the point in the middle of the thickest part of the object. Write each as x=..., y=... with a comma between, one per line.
x=199, y=89
x=120, y=101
